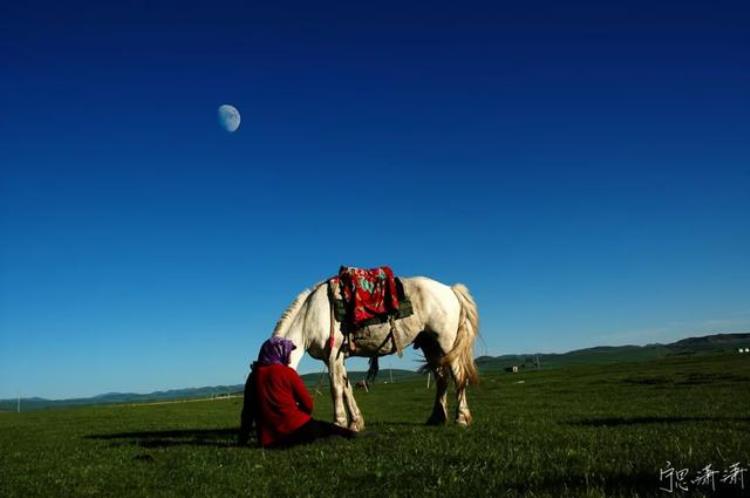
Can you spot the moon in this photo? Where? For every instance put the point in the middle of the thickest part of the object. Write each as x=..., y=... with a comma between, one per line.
x=229, y=117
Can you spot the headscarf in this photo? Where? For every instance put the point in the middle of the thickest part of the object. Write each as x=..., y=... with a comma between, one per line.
x=275, y=350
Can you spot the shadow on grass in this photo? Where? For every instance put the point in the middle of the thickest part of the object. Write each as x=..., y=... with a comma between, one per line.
x=222, y=438
x=620, y=421
x=386, y=424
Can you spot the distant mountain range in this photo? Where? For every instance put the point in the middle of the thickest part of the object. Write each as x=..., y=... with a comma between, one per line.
x=615, y=354
x=312, y=380
x=597, y=355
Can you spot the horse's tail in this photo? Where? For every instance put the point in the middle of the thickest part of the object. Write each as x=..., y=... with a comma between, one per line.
x=468, y=329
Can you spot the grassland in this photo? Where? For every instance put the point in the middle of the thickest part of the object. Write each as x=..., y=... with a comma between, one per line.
x=579, y=431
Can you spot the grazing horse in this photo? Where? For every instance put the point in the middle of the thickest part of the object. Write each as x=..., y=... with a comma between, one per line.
x=445, y=324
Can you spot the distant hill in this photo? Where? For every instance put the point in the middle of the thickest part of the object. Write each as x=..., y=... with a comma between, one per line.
x=716, y=342
x=28, y=404
x=596, y=355
x=385, y=375
x=312, y=380
x=615, y=354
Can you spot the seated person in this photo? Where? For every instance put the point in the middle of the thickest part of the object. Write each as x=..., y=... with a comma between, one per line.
x=278, y=403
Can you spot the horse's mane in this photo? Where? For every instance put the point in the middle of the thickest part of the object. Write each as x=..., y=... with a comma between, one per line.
x=291, y=311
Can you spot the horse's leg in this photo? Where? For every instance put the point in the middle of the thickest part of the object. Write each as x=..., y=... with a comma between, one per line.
x=463, y=415
x=440, y=408
x=357, y=420
x=433, y=353
x=336, y=377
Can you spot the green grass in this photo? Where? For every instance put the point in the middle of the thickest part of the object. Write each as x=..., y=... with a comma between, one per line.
x=579, y=431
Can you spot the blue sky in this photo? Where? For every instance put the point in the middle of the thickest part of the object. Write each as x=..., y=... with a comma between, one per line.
x=583, y=168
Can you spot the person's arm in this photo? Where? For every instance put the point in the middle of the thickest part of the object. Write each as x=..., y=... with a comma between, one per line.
x=300, y=392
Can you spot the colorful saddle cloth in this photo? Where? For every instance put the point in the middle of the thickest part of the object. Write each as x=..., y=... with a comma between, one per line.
x=368, y=296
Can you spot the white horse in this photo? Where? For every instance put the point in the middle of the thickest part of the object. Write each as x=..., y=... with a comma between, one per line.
x=444, y=325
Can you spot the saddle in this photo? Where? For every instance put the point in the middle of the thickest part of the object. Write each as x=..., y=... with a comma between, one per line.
x=363, y=297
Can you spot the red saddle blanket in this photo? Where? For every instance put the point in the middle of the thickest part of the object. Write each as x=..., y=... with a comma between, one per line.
x=368, y=293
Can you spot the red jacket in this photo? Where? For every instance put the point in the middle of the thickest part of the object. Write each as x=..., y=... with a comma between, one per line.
x=282, y=403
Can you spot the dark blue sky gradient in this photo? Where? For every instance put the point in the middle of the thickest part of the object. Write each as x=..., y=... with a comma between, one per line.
x=583, y=168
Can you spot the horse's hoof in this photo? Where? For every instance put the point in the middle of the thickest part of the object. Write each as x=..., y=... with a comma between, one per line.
x=463, y=421
x=357, y=425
